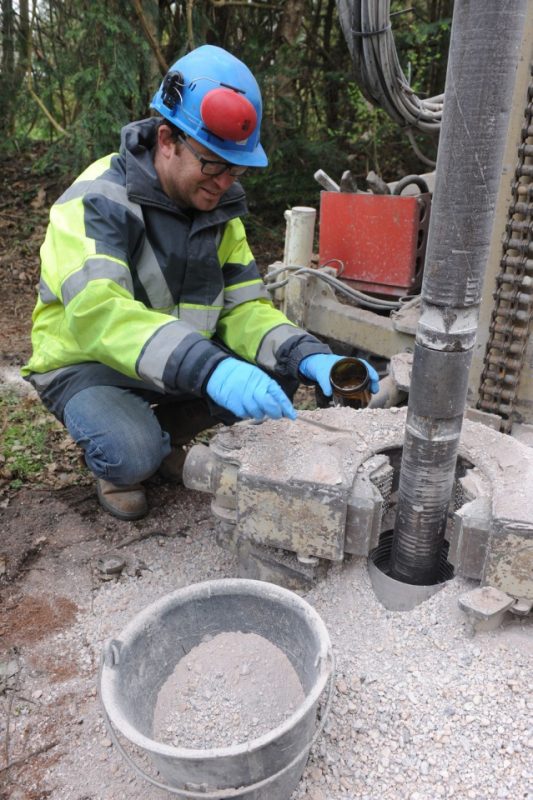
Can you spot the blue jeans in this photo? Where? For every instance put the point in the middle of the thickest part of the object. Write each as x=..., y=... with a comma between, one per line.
x=119, y=432
x=125, y=440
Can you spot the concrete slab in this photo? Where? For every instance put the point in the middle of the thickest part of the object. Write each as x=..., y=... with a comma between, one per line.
x=486, y=607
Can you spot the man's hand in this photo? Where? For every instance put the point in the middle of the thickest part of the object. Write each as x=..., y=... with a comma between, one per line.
x=247, y=391
x=317, y=368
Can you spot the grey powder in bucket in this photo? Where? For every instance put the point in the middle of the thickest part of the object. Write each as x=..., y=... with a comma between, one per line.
x=227, y=690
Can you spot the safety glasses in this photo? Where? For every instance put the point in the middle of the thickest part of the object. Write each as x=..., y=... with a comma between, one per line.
x=210, y=167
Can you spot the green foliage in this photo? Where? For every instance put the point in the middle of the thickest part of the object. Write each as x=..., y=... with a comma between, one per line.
x=106, y=86
x=36, y=449
x=26, y=439
x=422, y=45
x=289, y=181
x=91, y=80
x=93, y=71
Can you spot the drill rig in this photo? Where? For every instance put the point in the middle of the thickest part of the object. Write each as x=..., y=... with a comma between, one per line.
x=457, y=385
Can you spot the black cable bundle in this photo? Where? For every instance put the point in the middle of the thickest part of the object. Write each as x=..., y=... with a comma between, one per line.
x=368, y=32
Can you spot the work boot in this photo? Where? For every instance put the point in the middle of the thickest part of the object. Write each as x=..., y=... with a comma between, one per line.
x=124, y=502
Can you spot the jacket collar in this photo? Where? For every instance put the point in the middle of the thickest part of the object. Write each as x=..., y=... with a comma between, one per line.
x=137, y=141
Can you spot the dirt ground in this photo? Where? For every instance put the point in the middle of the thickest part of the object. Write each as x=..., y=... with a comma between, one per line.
x=421, y=710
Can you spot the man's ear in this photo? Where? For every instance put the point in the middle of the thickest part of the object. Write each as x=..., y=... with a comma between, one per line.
x=165, y=143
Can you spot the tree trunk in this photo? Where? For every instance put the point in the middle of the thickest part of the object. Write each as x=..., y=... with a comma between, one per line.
x=291, y=21
x=331, y=85
x=7, y=76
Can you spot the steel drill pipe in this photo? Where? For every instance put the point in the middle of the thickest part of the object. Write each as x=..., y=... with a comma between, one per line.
x=484, y=50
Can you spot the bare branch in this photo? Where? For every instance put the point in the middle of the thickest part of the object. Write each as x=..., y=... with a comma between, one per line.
x=59, y=128
x=163, y=66
x=190, y=32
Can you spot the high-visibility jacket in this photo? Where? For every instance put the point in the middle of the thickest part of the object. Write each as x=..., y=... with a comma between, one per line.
x=131, y=281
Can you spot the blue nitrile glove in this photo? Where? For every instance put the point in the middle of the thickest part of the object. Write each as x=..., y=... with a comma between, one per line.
x=247, y=391
x=317, y=368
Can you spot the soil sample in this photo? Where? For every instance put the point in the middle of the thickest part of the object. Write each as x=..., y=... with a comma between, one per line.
x=228, y=690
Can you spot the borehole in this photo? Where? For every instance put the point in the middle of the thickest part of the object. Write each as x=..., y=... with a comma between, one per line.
x=380, y=556
x=396, y=595
x=392, y=593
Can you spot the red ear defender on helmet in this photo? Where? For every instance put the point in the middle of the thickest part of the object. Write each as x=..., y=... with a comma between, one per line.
x=228, y=114
x=213, y=97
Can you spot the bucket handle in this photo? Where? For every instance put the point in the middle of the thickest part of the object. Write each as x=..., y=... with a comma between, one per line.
x=220, y=793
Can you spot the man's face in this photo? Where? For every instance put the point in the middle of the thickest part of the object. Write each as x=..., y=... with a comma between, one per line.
x=181, y=176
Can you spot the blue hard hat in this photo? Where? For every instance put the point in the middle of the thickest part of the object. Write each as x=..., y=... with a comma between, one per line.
x=214, y=98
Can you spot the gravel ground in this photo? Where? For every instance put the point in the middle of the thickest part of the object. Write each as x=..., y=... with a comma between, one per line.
x=229, y=689
x=422, y=708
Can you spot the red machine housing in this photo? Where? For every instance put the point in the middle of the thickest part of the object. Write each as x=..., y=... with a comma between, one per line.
x=380, y=239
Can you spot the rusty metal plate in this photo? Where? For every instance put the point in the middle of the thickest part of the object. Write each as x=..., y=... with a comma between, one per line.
x=380, y=239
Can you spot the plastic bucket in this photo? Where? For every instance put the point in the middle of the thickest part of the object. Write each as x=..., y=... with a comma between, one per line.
x=136, y=665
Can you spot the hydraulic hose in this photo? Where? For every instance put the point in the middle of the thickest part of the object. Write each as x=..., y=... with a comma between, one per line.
x=410, y=180
x=357, y=297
